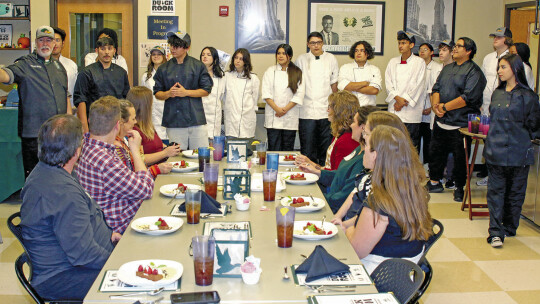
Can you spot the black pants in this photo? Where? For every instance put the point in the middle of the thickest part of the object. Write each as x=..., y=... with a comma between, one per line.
x=414, y=133
x=315, y=137
x=280, y=140
x=505, y=197
x=29, y=154
x=443, y=142
x=425, y=135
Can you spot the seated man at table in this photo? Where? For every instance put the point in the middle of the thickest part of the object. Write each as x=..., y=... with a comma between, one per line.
x=63, y=229
x=118, y=190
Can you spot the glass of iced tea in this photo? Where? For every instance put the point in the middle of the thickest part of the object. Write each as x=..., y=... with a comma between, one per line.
x=211, y=179
x=204, y=247
x=261, y=153
x=269, y=184
x=285, y=225
x=193, y=205
x=204, y=157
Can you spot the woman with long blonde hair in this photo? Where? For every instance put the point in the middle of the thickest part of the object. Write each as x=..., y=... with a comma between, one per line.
x=155, y=152
x=342, y=106
x=394, y=220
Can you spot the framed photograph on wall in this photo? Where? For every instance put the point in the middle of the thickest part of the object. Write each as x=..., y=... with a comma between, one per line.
x=261, y=25
x=430, y=21
x=21, y=11
x=6, y=35
x=342, y=23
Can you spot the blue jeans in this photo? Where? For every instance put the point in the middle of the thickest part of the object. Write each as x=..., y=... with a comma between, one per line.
x=68, y=285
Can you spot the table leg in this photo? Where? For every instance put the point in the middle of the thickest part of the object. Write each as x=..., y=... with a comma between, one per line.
x=467, y=198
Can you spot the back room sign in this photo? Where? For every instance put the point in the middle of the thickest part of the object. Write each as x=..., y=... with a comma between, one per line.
x=162, y=7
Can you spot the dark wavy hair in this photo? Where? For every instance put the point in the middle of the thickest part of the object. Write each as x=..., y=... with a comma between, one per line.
x=524, y=52
x=367, y=47
x=216, y=67
x=58, y=139
x=470, y=45
x=516, y=65
x=294, y=72
x=246, y=57
x=112, y=34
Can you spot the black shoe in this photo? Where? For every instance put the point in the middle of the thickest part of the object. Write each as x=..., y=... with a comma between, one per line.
x=450, y=184
x=437, y=188
x=458, y=194
x=482, y=174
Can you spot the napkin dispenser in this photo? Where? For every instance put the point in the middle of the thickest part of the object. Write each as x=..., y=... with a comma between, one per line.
x=232, y=248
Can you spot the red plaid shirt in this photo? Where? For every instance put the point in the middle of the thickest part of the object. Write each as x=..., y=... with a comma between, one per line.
x=118, y=190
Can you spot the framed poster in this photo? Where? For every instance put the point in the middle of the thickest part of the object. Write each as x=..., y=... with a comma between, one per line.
x=261, y=25
x=342, y=23
x=6, y=35
x=430, y=21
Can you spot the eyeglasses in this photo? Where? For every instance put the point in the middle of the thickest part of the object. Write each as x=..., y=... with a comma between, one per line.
x=424, y=50
x=360, y=51
x=315, y=43
x=458, y=46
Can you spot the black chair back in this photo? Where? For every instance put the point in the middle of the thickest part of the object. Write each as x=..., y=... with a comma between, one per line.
x=435, y=236
x=19, y=263
x=16, y=229
x=399, y=276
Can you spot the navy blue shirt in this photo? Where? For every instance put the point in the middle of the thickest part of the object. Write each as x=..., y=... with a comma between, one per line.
x=62, y=227
x=183, y=112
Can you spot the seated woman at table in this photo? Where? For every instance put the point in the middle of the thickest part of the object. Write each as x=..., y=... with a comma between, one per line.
x=155, y=151
x=363, y=180
x=394, y=221
x=342, y=106
x=127, y=122
x=341, y=182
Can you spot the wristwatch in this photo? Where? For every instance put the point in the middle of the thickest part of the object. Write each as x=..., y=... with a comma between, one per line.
x=444, y=107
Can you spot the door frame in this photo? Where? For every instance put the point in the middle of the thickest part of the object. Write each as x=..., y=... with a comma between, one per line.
x=53, y=5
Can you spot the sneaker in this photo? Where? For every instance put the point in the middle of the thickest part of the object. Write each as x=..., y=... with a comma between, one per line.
x=458, y=194
x=450, y=184
x=437, y=188
x=483, y=182
x=496, y=242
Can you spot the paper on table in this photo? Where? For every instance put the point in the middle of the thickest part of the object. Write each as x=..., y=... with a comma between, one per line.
x=176, y=211
x=386, y=298
x=111, y=283
x=357, y=275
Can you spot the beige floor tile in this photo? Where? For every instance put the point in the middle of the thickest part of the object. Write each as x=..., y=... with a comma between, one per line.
x=477, y=249
x=9, y=284
x=445, y=251
x=7, y=243
x=10, y=252
x=513, y=275
x=525, y=296
x=461, y=228
x=526, y=228
x=446, y=211
x=460, y=277
x=496, y=297
x=532, y=242
x=16, y=299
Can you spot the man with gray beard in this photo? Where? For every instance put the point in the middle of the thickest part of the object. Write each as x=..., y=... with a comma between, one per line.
x=43, y=91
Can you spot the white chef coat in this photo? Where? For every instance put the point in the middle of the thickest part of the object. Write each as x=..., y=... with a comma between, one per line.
x=351, y=72
x=407, y=81
x=319, y=75
x=157, y=106
x=241, y=97
x=432, y=72
x=489, y=68
x=71, y=70
x=530, y=76
x=212, y=107
x=92, y=57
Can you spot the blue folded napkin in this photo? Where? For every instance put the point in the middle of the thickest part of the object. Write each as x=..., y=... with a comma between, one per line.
x=321, y=264
x=208, y=204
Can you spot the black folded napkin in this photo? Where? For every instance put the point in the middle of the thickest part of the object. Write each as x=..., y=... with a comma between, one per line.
x=321, y=264
x=208, y=204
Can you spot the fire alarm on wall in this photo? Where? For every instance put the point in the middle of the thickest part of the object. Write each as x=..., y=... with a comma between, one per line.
x=223, y=11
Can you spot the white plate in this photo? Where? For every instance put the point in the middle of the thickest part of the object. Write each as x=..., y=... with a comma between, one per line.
x=284, y=162
x=127, y=273
x=189, y=154
x=298, y=225
x=257, y=183
x=190, y=166
x=318, y=201
x=168, y=190
x=140, y=223
x=310, y=178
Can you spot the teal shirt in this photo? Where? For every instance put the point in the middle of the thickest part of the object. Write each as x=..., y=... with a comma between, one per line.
x=341, y=181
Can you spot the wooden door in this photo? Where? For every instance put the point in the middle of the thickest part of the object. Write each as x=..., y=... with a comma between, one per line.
x=65, y=8
x=521, y=25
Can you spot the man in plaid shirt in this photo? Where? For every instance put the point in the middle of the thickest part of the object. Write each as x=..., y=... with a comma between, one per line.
x=118, y=190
